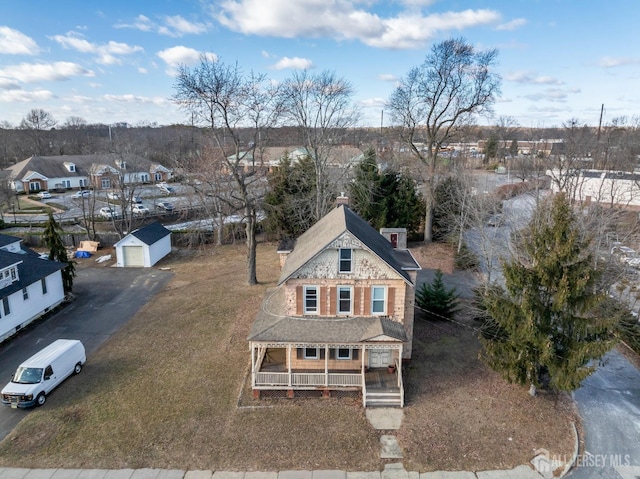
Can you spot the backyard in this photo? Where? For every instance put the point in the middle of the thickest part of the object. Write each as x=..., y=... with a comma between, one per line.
x=165, y=391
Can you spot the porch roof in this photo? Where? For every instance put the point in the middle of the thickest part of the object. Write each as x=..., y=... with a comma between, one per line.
x=271, y=325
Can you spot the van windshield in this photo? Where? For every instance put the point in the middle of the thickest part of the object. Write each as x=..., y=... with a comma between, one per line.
x=27, y=375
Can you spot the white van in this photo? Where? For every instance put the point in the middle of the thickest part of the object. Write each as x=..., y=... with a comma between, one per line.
x=42, y=372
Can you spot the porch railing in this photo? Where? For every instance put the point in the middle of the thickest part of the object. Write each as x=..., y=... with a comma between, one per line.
x=308, y=379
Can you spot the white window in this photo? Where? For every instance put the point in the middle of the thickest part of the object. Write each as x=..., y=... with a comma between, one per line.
x=34, y=186
x=66, y=183
x=105, y=182
x=310, y=299
x=378, y=302
x=344, y=353
x=158, y=176
x=43, y=282
x=311, y=353
x=71, y=167
x=25, y=294
x=344, y=299
x=5, y=305
x=345, y=261
x=83, y=182
x=144, y=178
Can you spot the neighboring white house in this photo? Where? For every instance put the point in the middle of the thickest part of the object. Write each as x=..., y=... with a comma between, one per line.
x=29, y=286
x=144, y=247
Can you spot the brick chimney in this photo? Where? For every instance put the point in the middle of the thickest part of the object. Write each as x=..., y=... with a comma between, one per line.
x=342, y=200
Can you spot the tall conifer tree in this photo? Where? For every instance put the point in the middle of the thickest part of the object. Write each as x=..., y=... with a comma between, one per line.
x=57, y=252
x=545, y=321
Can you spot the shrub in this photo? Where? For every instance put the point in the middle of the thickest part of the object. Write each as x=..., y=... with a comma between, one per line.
x=437, y=299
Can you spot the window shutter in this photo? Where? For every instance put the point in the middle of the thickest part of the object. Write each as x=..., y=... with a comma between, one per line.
x=321, y=353
x=333, y=300
x=332, y=353
x=354, y=353
x=299, y=300
x=323, y=301
x=299, y=353
x=367, y=301
x=357, y=307
x=391, y=296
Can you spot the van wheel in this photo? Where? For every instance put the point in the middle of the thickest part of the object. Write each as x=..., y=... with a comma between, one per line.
x=77, y=368
x=41, y=399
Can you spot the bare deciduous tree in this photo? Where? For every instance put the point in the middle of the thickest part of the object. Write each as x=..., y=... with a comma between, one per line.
x=320, y=105
x=36, y=123
x=238, y=109
x=454, y=83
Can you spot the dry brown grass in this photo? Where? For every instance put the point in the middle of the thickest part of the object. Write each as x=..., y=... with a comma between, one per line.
x=163, y=392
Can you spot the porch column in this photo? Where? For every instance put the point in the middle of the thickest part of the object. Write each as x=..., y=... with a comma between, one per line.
x=362, y=350
x=253, y=364
x=289, y=362
x=326, y=365
x=399, y=364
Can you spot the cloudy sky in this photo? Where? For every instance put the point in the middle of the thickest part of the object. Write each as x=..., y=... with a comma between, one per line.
x=115, y=61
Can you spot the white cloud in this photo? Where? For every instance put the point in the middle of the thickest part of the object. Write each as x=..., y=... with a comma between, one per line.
x=557, y=95
x=142, y=70
x=181, y=55
x=179, y=26
x=137, y=99
x=174, y=26
x=295, y=63
x=16, y=43
x=24, y=96
x=531, y=78
x=106, y=53
x=343, y=20
x=37, y=72
x=388, y=77
x=373, y=102
x=512, y=25
x=141, y=23
x=611, y=62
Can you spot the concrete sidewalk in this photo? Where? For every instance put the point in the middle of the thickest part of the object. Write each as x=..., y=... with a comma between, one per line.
x=391, y=471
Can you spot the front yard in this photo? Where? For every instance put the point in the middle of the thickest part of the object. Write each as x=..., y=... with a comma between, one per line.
x=163, y=393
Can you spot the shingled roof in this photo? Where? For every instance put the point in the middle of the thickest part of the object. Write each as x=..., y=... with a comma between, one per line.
x=30, y=270
x=334, y=224
x=151, y=233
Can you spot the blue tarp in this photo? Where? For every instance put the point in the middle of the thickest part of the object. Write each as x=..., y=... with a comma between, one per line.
x=82, y=254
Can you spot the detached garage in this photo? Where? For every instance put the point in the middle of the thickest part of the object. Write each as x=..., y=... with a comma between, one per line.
x=144, y=247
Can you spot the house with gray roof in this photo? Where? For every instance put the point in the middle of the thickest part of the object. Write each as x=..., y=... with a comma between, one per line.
x=340, y=320
x=83, y=171
x=29, y=286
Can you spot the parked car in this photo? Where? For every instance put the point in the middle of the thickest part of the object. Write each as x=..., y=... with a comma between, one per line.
x=139, y=209
x=165, y=205
x=112, y=195
x=42, y=372
x=136, y=199
x=44, y=195
x=108, y=213
x=81, y=194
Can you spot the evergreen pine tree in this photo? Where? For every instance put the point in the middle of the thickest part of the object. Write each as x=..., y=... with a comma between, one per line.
x=545, y=322
x=57, y=252
x=436, y=298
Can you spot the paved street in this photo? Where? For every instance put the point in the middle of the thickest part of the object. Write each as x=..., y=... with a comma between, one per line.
x=609, y=403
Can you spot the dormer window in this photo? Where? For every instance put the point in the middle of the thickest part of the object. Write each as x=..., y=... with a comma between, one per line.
x=71, y=167
x=345, y=260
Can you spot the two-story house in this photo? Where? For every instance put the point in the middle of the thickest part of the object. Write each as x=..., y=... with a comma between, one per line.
x=83, y=171
x=29, y=286
x=340, y=321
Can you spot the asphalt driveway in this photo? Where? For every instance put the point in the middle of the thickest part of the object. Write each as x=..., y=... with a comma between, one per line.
x=106, y=299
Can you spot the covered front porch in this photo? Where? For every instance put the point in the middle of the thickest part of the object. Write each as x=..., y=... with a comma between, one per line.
x=330, y=367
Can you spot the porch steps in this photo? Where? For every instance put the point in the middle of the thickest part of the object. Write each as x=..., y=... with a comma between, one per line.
x=384, y=399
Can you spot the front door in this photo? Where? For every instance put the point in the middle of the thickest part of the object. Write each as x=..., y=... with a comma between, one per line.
x=379, y=358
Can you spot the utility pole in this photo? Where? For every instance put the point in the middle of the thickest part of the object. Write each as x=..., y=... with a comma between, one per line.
x=600, y=122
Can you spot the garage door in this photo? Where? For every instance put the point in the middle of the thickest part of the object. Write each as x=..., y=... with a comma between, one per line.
x=132, y=256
